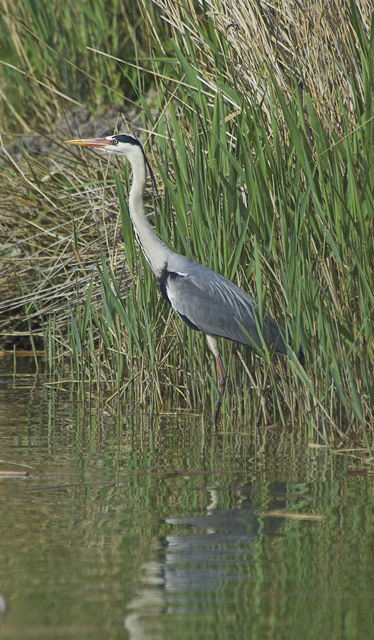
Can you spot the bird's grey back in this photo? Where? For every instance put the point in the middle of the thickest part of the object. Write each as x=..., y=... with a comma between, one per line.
x=210, y=303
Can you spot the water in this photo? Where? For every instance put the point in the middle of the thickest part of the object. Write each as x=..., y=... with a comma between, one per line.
x=139, y=527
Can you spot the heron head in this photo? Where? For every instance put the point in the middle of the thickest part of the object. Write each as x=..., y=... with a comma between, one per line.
x=121, y=144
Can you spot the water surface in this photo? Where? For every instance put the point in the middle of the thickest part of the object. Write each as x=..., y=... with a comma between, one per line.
x=152, y=527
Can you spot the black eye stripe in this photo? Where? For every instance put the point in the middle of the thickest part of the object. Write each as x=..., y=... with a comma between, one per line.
x=123, y=137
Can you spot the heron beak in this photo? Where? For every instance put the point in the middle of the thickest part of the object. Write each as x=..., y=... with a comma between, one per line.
x=99, y=143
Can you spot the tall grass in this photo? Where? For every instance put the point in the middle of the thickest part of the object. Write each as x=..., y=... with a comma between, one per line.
x=44, y=56
x=263, y=181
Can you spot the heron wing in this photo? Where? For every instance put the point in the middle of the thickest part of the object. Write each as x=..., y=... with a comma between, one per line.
x=210, y=303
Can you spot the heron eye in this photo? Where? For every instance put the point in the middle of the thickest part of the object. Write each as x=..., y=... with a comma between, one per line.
x=114, y=141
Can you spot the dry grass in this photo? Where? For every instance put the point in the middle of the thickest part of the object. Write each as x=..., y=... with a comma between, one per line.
x=51, y=244
x=314, y=43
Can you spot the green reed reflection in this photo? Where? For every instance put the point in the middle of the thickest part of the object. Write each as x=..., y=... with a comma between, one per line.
x=151, y=527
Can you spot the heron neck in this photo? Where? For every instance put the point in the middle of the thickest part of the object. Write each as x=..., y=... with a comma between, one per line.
x=154, y=250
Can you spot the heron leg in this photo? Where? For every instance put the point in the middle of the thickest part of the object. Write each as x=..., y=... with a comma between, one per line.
x=221, y=375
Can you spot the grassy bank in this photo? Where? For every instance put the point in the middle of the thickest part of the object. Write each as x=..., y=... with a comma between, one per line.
x=262, y=139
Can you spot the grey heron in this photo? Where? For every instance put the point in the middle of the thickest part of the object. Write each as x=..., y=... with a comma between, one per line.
x=205, y=300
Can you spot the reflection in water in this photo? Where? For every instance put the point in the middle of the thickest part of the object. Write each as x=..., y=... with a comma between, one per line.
x=215, y=551
x=3, y=607
x=121, y=503
x=195, y=566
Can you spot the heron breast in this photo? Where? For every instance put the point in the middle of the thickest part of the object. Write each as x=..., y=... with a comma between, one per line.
x=164, y=284
x=164, y=279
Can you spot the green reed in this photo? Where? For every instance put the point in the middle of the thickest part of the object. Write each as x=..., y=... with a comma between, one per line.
x=45, y=56
x=261, y=189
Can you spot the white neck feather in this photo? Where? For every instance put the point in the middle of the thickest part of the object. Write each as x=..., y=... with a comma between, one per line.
x=154, y=250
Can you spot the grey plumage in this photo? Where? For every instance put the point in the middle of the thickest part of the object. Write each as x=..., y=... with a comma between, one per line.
x=216, y=306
